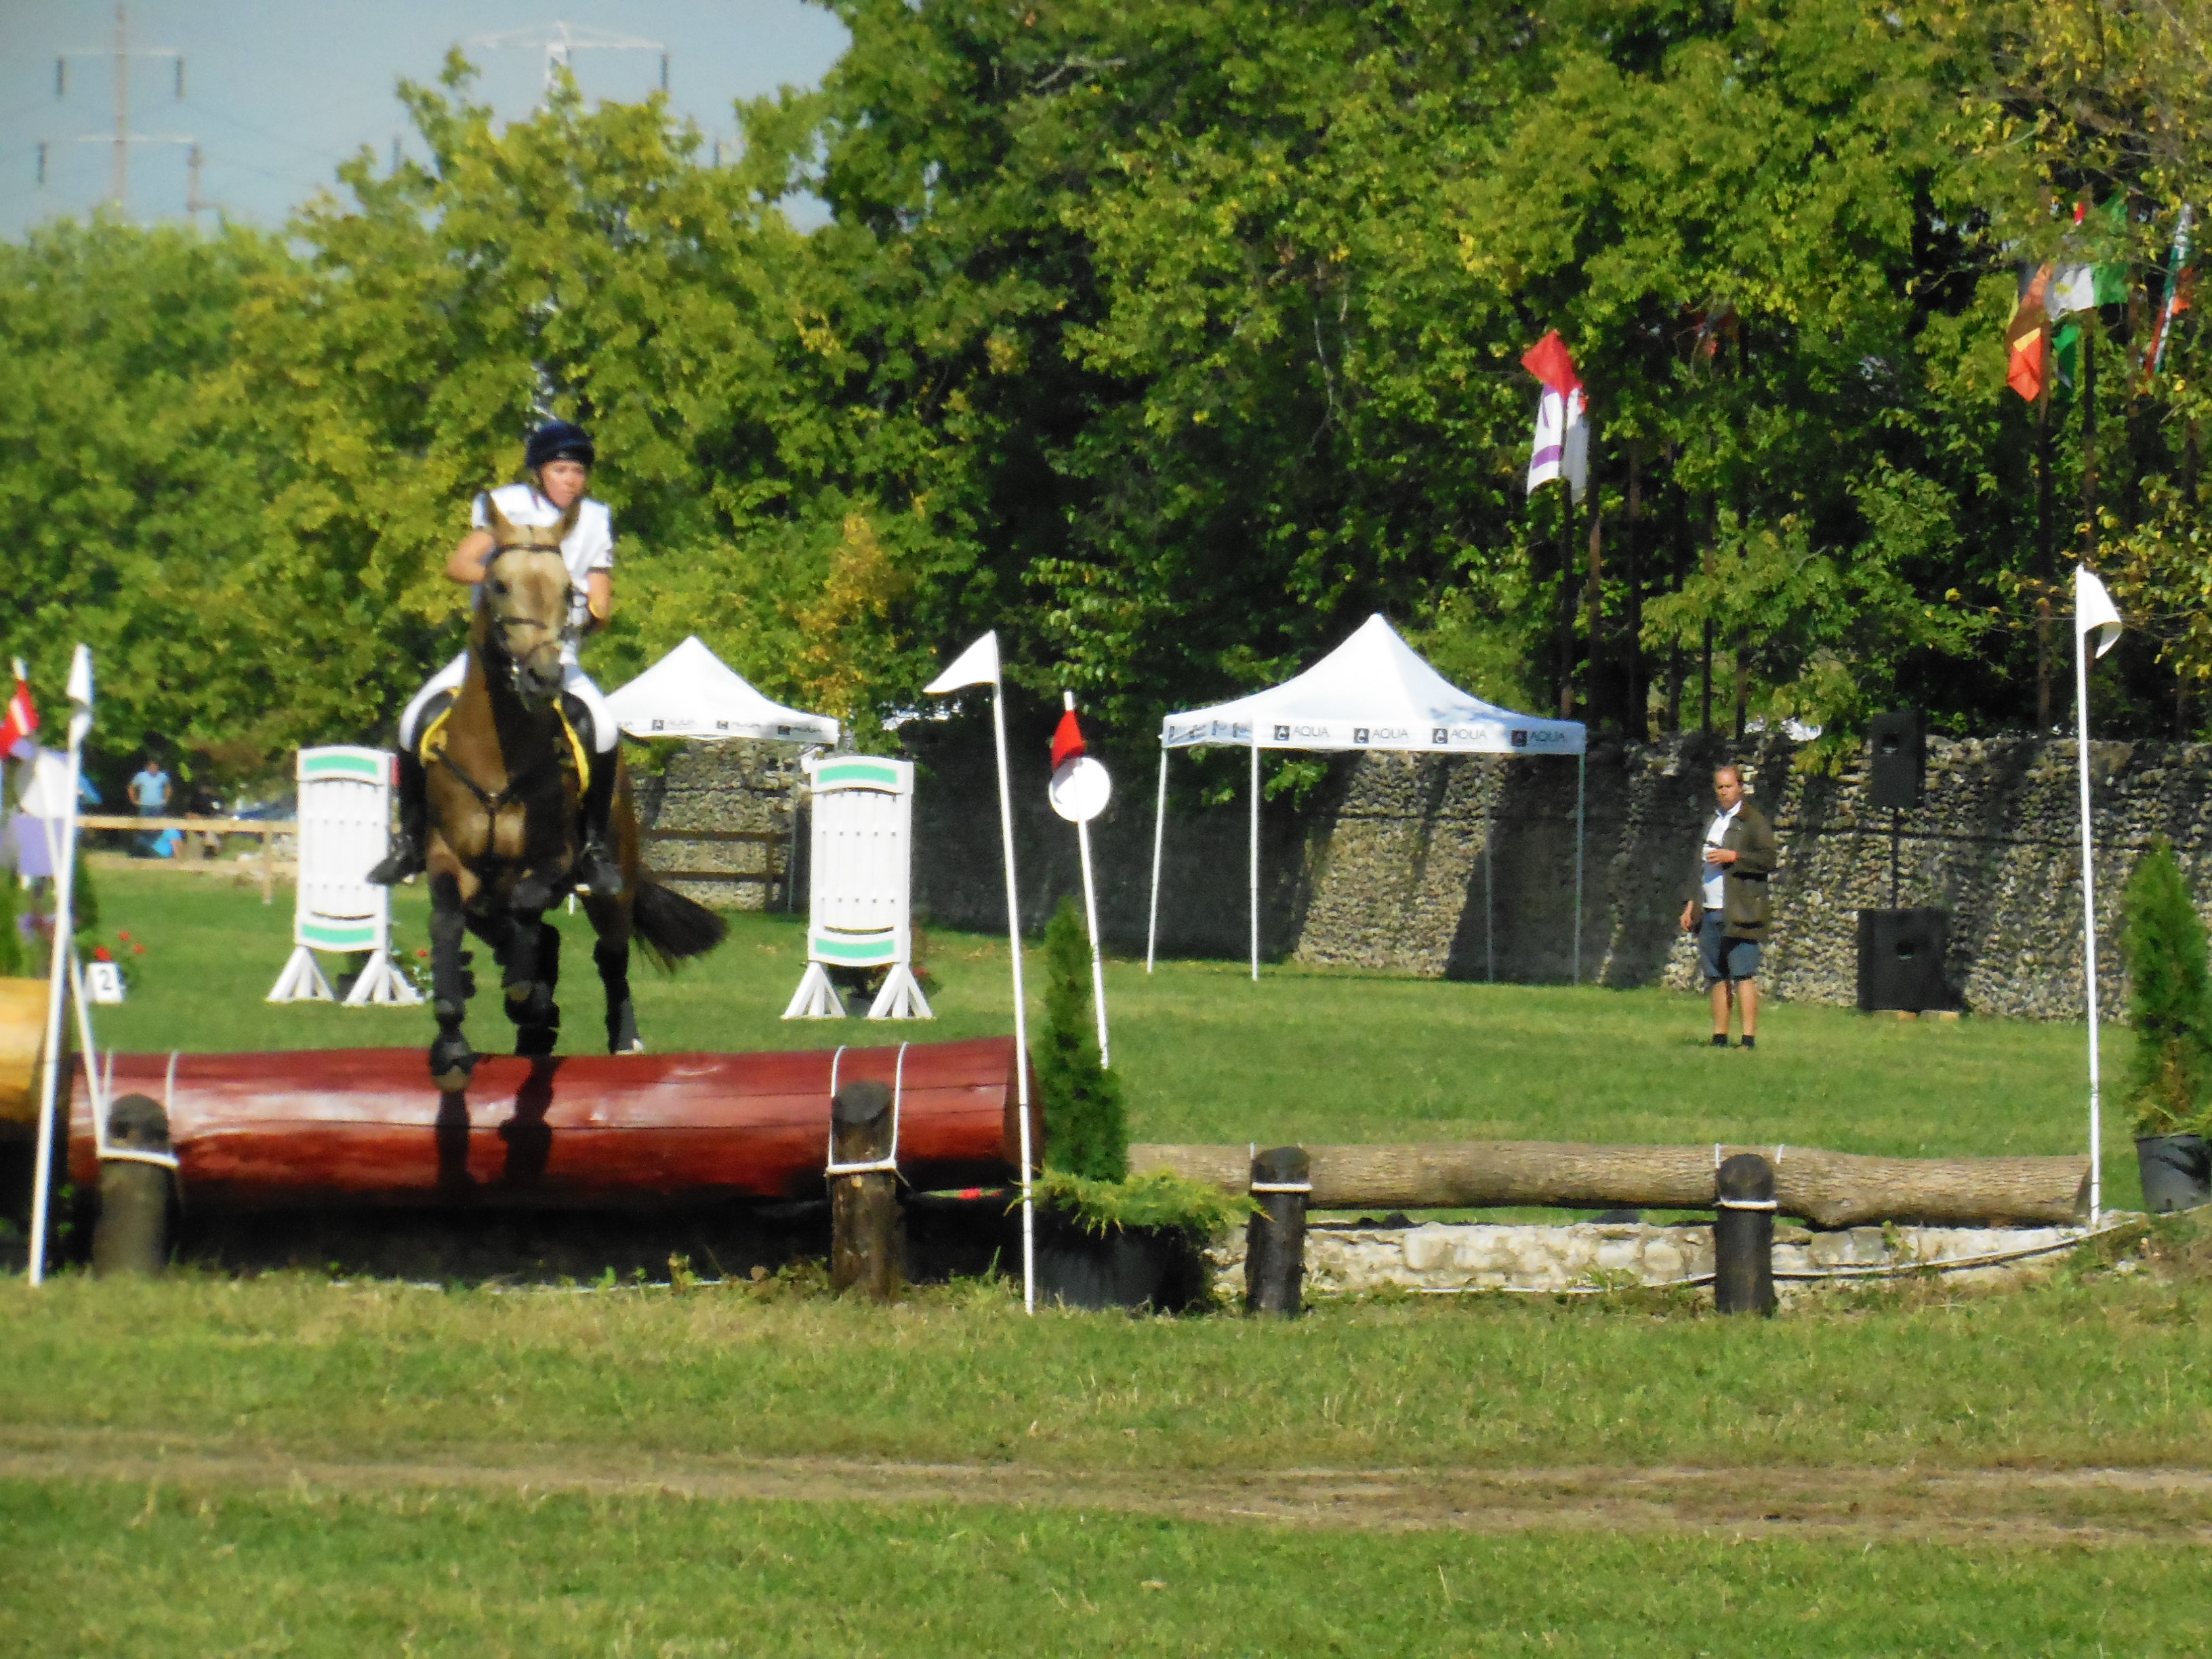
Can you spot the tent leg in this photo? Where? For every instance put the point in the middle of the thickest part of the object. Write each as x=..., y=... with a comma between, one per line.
x=1489, y=883
x=1581, y=767
x=1159, y=832
x=1256, y=858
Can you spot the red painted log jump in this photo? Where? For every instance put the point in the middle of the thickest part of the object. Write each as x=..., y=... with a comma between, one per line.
x=363, y=1127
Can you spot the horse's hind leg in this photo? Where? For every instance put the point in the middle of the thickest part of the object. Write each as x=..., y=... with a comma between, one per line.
x=610, y=956
x=537, y=1016
x=451, y=1060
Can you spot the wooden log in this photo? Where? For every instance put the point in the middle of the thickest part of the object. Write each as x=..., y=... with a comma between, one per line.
x=1743, y=1236
x=364, y=1127
x=22, y=1038
x=866, y=1231
x=1275, y=1237
x=1831, y=1189
x=131, y=1234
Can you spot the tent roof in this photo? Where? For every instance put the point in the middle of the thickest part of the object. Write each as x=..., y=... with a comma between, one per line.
x=692, y=693
x=1372, y=692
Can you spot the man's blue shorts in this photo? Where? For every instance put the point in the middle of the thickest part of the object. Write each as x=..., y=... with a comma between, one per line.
x=1724, y=958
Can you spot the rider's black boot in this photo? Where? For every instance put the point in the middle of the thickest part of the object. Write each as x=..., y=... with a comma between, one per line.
x=405, y=859
x=597, y=871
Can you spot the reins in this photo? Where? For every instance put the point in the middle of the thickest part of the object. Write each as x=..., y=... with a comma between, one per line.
x=496, y=644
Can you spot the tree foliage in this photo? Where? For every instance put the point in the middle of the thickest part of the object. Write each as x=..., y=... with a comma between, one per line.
x=1085, y=1124
x=1170, y=340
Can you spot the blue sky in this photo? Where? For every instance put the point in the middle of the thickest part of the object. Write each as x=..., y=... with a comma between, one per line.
x=277, y=94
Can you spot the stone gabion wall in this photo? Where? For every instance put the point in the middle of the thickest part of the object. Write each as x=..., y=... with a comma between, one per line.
x=718, y=822
x=1465, y=867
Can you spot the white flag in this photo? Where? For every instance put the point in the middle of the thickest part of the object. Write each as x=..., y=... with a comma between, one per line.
x=977, y=665
x=2095, y=612
x=80, y=678
x=1562, y=444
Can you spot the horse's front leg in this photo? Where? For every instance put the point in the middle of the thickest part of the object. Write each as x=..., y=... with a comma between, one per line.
x=451, y=1060
x=611, y=918
x=531, y=959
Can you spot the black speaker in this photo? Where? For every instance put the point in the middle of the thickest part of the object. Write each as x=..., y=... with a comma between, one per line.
x=1897, y=761
x=1901, y=959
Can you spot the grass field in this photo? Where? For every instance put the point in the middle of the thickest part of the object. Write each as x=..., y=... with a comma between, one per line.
x=1305, y=1056
x=291, y=1465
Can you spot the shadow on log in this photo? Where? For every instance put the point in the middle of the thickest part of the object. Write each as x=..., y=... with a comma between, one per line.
x=1829, y=1189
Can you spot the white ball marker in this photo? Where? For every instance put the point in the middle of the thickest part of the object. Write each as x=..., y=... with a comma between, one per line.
x=1080, y=789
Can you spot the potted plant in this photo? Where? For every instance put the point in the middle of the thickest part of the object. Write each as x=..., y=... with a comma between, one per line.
x=1103, y=1238
x=2170, y=1004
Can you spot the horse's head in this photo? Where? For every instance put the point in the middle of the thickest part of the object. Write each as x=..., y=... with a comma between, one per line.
x=525, y=614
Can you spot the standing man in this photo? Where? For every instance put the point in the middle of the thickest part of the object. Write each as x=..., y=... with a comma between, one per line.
x=1729, y=912
x=149, y=793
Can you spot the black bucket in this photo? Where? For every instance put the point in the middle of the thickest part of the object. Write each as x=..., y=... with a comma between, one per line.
x=1132, y=1267
x=2176, y=1171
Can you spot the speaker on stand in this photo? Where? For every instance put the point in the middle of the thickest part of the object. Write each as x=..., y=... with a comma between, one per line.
x=1901, y=951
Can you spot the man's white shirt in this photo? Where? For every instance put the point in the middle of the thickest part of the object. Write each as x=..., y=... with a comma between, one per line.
x=1716, y=833
x=590, y=546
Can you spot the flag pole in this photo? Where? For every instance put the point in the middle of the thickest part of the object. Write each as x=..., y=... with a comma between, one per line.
x=2088, y=908
x=63, y=857
x=1021, y=1006
x=1159, y=836
x=1090, y=918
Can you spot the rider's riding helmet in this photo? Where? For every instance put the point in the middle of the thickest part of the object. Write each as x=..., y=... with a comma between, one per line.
x=558, y=440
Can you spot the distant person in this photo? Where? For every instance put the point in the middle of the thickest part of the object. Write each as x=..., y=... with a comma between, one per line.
x=1728, y=911
x=149, y=793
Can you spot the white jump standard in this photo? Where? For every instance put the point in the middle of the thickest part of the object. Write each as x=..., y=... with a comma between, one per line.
x=860, y=883
x=345, y=826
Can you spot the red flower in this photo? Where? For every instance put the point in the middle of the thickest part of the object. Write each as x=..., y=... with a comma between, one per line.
x=100, y=954
x=421, y=953
x=137, y=950
x=125, y=938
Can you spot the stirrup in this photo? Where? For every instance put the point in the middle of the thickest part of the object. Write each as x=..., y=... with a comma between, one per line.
x=596, y=872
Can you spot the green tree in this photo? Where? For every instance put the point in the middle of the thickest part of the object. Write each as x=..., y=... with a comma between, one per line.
x=1085, y=1124
x=2169, y=998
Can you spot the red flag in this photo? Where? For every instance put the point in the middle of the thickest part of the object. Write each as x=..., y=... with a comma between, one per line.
x=1550, y=362
x=1066, y=741
x=21, y=718
x=2027, y=340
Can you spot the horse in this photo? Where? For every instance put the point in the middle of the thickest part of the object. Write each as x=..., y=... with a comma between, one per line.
x=505, y=770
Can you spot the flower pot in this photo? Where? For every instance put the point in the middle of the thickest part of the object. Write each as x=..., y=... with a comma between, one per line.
x=1132, y=1267
x=2176, y=1171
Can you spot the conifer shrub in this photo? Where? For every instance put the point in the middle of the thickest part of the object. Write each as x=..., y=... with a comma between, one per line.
x=1086, y=1126
x=2169, y=998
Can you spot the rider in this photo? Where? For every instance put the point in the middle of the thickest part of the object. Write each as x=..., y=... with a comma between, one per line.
x=559, y=457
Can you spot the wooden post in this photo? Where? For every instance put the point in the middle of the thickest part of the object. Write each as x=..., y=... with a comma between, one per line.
x=1743, y=1236
x=867, y=1228
x=132, y=1233
x=1275, y=1238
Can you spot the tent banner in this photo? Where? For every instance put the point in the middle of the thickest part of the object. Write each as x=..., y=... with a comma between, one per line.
x=1484, y=737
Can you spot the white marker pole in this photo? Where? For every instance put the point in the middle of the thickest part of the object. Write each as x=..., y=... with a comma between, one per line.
x=1159, y=840
x=1090, y=916
x=2094, y=612
x=62, y=850
x=979, y=665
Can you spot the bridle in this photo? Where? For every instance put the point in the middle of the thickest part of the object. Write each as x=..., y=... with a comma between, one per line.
x=498, y=628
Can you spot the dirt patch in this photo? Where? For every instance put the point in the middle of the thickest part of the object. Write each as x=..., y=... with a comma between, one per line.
x=2007, y=1506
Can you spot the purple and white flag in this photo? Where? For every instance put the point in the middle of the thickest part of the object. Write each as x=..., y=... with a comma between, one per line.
x=1561, y=449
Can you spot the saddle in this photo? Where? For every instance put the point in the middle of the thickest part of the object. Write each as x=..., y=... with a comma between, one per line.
x=430, y=747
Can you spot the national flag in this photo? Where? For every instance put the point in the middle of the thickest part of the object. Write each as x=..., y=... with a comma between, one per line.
x=20, y=719
x=1067, y=741
x=2180, y=290
x=977, y=665
x=2083, y=285
x=1561, y=447
x=2026, y=340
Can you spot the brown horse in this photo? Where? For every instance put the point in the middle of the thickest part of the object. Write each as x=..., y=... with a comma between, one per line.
x=506, y=768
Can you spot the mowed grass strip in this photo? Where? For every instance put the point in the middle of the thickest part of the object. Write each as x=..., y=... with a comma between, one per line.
x=1308, y=1054
x=2096, y=1370
x=165, y=1570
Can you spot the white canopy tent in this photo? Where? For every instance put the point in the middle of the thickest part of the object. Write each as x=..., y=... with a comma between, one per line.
x=1372, y=692
x=692, y=693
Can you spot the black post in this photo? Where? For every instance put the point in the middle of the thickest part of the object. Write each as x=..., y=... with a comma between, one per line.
x=1743, y=1236
x=132, y=1233
x=1275, y=1238
x=1895, y=833
x=867, y=1232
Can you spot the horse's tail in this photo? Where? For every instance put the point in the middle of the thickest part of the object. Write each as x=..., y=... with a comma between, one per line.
x=671, y=927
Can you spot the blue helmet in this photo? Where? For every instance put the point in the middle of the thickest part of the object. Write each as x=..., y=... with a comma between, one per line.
x=558, y=440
